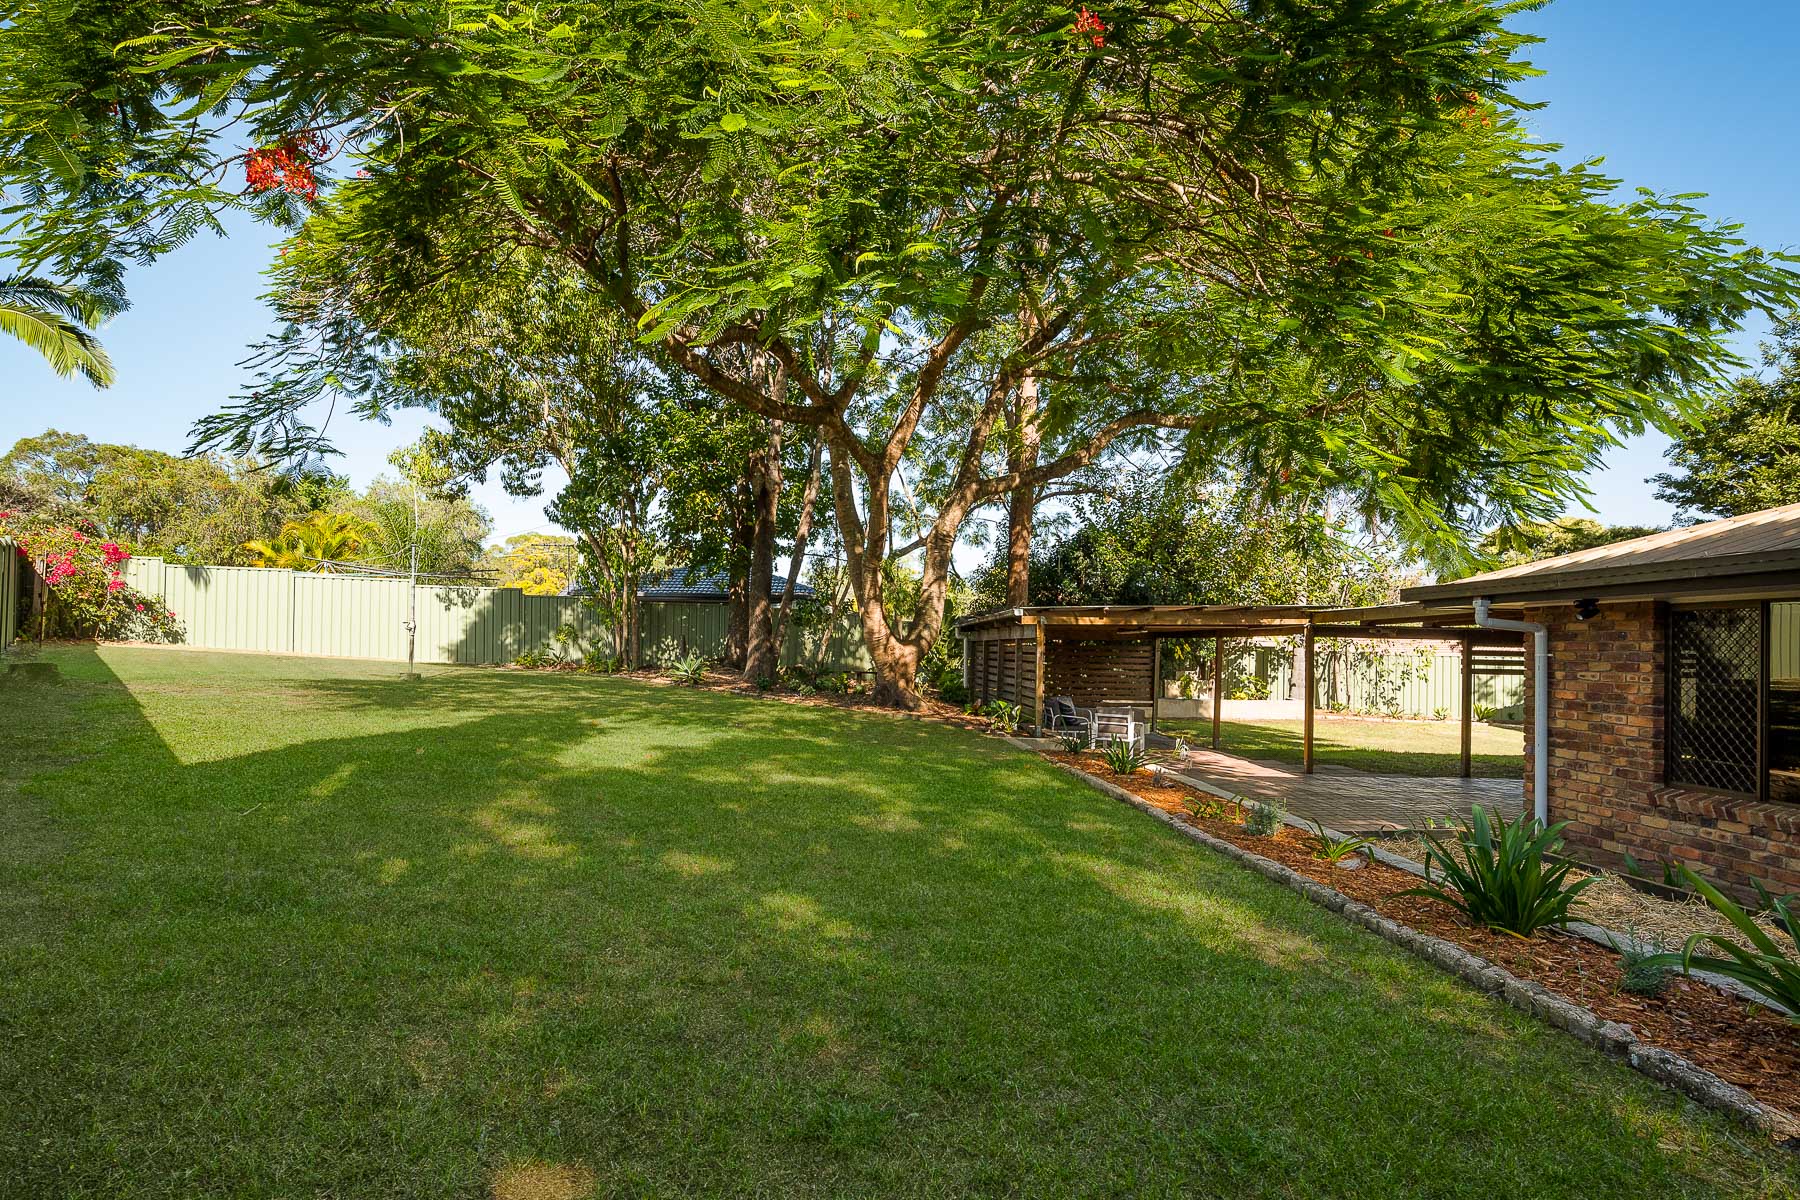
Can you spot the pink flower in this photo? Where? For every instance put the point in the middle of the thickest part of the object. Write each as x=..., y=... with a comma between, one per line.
x=140, y=608
x=171, y=614
x=116, y=585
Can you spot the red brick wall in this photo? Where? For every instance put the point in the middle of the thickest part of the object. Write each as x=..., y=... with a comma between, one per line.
x=1606, y=761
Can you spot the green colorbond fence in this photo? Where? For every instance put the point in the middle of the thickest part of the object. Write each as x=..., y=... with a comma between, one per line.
x=349, y=616
x=1417, y=686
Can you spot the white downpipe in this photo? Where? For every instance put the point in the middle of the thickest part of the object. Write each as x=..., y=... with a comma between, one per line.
x=1540, y=701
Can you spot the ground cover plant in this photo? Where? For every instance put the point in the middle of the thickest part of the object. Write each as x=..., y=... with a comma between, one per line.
x=1424, y=748
x=295, y=927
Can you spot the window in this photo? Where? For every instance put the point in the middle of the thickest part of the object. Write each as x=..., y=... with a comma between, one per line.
x=1784, y=701
x=1715, y=668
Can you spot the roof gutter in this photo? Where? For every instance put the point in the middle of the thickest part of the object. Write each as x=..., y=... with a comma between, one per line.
x=1540, y=701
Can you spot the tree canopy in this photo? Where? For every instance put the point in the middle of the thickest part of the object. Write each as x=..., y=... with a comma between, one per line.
x=1741, y=451
x=1310, y=245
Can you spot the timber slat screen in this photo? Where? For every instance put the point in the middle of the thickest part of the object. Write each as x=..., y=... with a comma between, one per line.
x=1101, y=673
x=1004, y=670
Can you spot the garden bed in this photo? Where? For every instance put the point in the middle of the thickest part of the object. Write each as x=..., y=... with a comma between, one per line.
x=1741, y=1042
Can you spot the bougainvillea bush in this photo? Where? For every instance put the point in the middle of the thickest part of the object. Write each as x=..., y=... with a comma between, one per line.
x=89, y=597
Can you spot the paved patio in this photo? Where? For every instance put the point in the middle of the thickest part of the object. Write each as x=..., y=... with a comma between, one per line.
x=1353, y=801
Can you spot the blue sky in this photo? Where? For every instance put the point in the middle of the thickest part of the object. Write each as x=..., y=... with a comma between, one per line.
x=1677, y=96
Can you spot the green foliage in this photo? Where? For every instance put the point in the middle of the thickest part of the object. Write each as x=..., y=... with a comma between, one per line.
x=690, y=669
x=1643, y=965
x=834, y=685
x=1740, y=451
x=1124, y=758
x=1496, y=875
x=538, y=564
x=51, y=318
x=1002, y=715
x=1075, y=743
x=320, y=543
x=1205, y=806
x=1763, y=965
x=1334, y=848
x=1262, y=818
x=1549, y=539
x=1485, y=712
x=84, y=576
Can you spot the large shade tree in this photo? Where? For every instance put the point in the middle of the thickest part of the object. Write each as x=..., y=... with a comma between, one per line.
x=1308, y=241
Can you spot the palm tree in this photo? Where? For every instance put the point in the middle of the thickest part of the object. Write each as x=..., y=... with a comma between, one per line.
x=313, y=544
x=51, y=318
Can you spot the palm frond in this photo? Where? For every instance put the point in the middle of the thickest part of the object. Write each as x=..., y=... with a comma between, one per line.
x=66, y=347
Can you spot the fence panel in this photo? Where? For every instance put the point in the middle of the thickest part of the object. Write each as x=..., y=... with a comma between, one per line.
x=349, y=616
x=1418, y=688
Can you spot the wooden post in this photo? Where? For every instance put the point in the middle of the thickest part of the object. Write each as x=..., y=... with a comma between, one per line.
x=1309, y=697
x=1218, y=687
x=1037, y=683
x=1155, y=679
x=1468, y=707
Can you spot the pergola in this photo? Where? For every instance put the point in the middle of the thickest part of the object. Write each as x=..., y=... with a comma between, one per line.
x=1110, y=655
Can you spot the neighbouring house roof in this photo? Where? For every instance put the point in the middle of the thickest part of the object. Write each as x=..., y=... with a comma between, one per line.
x=1754, y=554
x=683, y=584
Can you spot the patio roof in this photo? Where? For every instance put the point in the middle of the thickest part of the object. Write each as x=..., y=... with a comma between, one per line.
x=1100, y=622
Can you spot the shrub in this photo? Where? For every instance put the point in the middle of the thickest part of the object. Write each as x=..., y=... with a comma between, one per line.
x=1502, y=881
x=834, y=685
x=537, y=656
x=763, y=683
x=603, y=663
x=1003, y=715
x=1206, y=806
x=1485, y=712
x=690, y=670
x=89, y=597
x=1440, y=713
x=1074, y=743
x=1124, y=758
x=1334, y=848
x=1764, y=967
x=1263, y=817
x=1645, y=972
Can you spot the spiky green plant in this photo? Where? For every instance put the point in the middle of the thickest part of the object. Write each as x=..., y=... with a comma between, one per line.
x=1205, y=806
x=1262, y=818
x=1074, y=743
x=1124, y=758
x=1496, y=875
x=690, y=670
x=1334, y=848
x=1763, y=966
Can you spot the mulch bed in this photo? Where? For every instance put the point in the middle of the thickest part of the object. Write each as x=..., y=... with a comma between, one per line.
x=1741, y=1042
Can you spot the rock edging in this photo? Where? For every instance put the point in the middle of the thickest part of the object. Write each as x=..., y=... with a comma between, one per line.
x=1612, y=1037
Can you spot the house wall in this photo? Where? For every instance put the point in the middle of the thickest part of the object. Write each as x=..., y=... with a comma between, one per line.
x=1606, y=746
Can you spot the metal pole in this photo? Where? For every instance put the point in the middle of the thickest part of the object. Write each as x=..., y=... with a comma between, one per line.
x=412, y=590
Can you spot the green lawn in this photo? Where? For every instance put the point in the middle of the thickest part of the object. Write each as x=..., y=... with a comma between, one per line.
x=283, y=927
x=1428, y=748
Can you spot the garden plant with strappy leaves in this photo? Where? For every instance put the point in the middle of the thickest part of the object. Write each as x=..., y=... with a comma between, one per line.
x=1496, y=875
x=1334, y=848
x=690, y=670
x=1763, y=966
x=1124, y=758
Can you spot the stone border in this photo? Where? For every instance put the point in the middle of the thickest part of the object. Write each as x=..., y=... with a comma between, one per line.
x=1611, y=1037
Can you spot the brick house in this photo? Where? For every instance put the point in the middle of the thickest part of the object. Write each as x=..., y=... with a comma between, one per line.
x=1672, y=728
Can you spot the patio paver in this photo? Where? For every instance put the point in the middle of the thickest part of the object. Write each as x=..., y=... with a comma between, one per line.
x=1355, y=801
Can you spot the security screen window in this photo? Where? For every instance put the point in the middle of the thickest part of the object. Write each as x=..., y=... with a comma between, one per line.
x=1715, y=665
x=1784, y=701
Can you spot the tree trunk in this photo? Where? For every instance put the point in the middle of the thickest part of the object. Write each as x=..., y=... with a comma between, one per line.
x=1021, y=504
x=802, y=532
x=760, y=661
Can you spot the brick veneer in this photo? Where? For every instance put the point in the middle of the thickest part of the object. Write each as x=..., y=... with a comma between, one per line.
x=1607, y=687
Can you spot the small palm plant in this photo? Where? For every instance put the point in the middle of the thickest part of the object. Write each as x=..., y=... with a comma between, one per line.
x=1496, y=875
x=1334, y=848
x=1124, y=758
x=52, y=318
x=1764, y=967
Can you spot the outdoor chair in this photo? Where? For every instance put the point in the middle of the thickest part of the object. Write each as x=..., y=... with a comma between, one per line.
x=1061, y=716
x=1117, y=725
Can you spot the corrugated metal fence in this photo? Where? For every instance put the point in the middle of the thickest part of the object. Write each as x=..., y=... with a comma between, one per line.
x=1413, y=685
x=349, y=616
x=10, y=580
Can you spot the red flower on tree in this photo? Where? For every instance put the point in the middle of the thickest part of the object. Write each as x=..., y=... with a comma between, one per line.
x=286, y=166
x=1091, y=27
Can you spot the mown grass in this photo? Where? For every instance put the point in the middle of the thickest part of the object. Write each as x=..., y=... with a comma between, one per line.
x=1422, y=748
x=280, y=927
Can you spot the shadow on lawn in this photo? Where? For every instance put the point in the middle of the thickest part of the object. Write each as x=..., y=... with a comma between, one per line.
x=696, y=941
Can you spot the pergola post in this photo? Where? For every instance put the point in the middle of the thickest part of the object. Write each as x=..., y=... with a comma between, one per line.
x=1309, y=694
x=1465, y=660
x=1037, y=682
x=1155, y=679
x=1218, y=688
